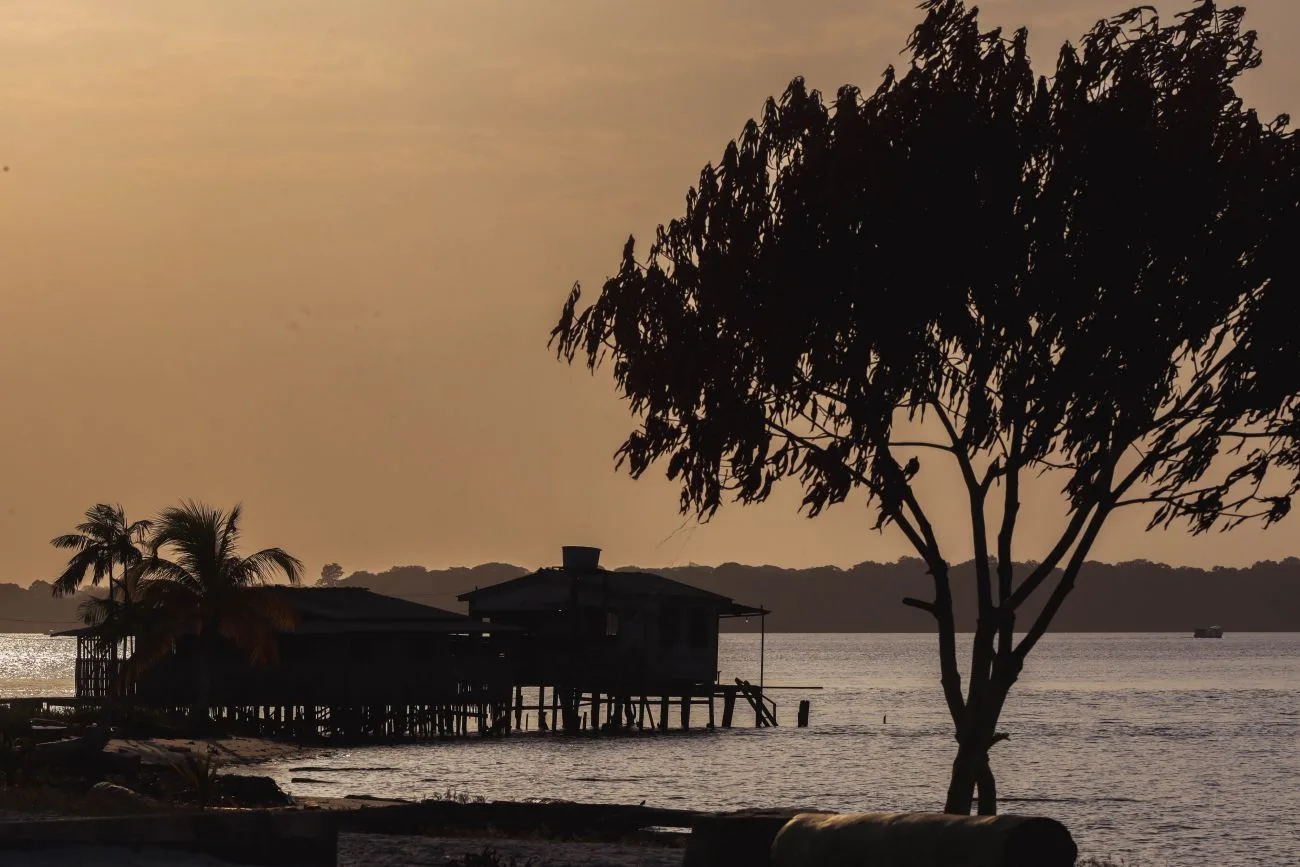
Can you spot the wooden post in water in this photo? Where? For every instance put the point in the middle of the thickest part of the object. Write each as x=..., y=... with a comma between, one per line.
x=663, y=713
x=595, y=711
x=519, y=704
x=686, y=711
x=541, y=708
x=640, y=717
x=710, y=708
x=803, y=713
x=728, y=705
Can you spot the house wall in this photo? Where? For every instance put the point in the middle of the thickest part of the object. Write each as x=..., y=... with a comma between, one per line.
x=633, y=644
x=339, y=669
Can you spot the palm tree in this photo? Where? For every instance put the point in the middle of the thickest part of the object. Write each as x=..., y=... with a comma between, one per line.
x=195, y=582
x=105, y=545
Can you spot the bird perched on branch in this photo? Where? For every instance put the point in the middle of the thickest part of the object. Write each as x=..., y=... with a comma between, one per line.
x=913, y=466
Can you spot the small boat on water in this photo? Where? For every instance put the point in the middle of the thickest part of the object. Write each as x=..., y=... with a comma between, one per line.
x=1208, y=632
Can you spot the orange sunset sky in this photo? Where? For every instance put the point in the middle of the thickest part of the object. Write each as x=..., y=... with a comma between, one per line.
x=305, y=255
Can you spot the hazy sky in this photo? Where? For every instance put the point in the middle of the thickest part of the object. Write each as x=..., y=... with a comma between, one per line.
x=306, y=255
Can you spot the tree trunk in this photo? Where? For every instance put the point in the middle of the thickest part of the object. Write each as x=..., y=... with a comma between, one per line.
x=965, y=773
x=203, y=685
x=971, y=771
x=976, y=736
x=988, y=789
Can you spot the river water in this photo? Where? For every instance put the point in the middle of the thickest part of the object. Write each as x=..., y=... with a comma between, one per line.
x=1153, y=748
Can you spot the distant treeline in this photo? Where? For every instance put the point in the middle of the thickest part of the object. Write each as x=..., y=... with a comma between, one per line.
x=1137, y=596
x=35, y=609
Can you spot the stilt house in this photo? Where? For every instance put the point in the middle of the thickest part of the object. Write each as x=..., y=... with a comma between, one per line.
x=355, y=662
x=619, y=634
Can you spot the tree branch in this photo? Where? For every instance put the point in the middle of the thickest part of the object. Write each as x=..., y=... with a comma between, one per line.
x=1044, y=569
x=982, y=651
x=921, y=604
x=975, y=495
x=1010, y=509
x=920, y=445
x=1063, y=587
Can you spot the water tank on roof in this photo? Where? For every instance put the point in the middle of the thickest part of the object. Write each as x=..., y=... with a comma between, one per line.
x=581, y=559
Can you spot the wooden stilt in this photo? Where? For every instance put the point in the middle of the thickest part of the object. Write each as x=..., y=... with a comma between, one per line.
x=663, y=713
x=728, y=705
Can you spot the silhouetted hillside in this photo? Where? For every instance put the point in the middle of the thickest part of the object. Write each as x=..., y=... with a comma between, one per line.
x=1137, y=596
x=436, y=587
x=34, y=609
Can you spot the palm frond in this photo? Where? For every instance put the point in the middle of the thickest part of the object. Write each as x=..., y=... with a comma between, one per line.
x=156, y=569
x=230, y=532
x=74, y=575
x=101, y=543
x=192, y=531
x=95, y=610
x=194, y=581
x=170, y=597
x=262, y=567
x=72, y=541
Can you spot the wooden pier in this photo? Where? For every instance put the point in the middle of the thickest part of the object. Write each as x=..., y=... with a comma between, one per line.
x=533, y=709
x=558, y=709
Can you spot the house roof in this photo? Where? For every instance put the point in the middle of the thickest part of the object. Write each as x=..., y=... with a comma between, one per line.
x=554, y=587
x=355, y=609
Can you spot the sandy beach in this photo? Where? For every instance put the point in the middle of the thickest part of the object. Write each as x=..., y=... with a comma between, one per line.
x=234, y=750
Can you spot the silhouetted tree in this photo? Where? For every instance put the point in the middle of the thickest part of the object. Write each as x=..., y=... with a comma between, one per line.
x=1089, y=275
x=330, y=575
x=196, y=582
x=104, y=546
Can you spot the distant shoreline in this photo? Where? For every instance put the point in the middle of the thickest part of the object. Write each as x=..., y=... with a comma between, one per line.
x=1137, y=596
